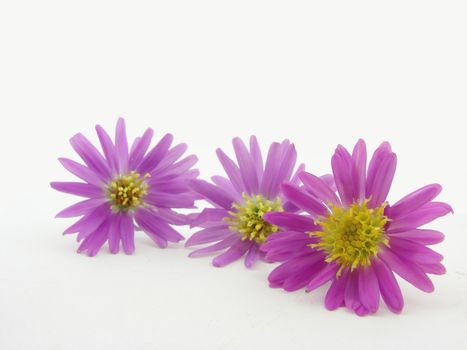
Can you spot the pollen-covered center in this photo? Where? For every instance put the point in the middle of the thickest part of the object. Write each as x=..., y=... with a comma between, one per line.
x=248, y=220
x=127, y=191
x=351, y=236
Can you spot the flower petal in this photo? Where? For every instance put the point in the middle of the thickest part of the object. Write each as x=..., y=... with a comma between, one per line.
x=207, y=235
x=127, y=233
x=335, y=294
x=341, y=163
x=419, y=217
x=252, y=256
x=421, y=236
x=108, y=148
x=232, y=170
x=407, y=270
x=140, y=149
x=81, y=171
x=318, y=188
x=304, y=201
x=414, y=201
x=80, y=208
x=390, y=290
x=121, y=145
x=226, y=242
x=325, y=275
x=155, y=156
x=212, y=193
x=78, y=189
x=291, y=221
x=234, y=253
x=382, y=180
x=246, y=166
x=368, y=289
x=359, y=171
x=91, y=156
x=255, y=153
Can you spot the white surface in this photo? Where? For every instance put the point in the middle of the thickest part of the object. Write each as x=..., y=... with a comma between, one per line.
x=318, y=74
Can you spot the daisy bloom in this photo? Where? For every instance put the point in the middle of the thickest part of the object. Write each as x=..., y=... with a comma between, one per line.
x=127, y=188
x=355, y=239
x=236, y=223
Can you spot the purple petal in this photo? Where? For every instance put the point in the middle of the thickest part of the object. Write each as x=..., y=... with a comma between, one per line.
x=152, y=224
x=252, y=256
x=170, y=200
x=414, y=201
x=435, y=269
x=413, y=251
x=81, y=171
x=89, y=222
x=407, y=270
x=291, y=221
x=121, y=145
x=382, y=180
x=95, y=240
x=246, y=166
x=368, y=289
x=212, y=193
x=380, y=153
x=359, y=171
x=209, y=215
x=114, y=233
x=295, y=180
x=335, y=295
x=91, y=156
x=318, y=188
x=390, y=290
x=255, y=154
x=284, y=172
x=425, y=237
x=227, y=186
x=234, y=253
x=139, y=150
x=78, y=188
x=80, y=208
x=170, y=157
x=226, y=242
x=351, y=294
x=341, y=163
x=127, y=234
x=270, y=171
x=232, y=170
x=172, y=217
x=304, y=201
x=325, y=275
x=108, y=148
x=155, y=156
x=208, y=235
x=293, y=267
x=419, y=217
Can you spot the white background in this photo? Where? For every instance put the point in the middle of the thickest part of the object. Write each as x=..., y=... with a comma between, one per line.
x=319, y=73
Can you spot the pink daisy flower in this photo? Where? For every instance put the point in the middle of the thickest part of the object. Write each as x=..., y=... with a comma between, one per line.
x=126, y=187
x=235, y=226
x=355, y=240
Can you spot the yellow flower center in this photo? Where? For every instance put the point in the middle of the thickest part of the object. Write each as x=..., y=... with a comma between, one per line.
x=127, y=191
x=248, y=217
x=351, y=236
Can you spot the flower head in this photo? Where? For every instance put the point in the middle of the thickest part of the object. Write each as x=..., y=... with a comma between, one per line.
x=124, y=186
x=236, y=222
x=356, y=240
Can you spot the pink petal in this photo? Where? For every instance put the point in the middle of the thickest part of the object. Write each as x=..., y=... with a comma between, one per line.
x=318, y=188
x=414, y=201
x=390, y=290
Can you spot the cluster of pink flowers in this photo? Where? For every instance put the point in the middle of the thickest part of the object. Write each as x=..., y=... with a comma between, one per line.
x=337, y=228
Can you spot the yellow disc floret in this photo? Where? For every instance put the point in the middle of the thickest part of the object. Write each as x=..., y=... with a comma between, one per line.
x=351, y=236
x=248, y=220
x=127, y=191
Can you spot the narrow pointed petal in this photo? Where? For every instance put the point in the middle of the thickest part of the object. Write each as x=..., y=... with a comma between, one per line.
x=318, y=188
x=408, y=271
x=359, y=170
x=212, y=193
x=81, y=171
x=335, y=294
x=421, y=236
x=121, y=145
x=232, y=170
x=252, y=256
x=108, y=148
x=390, y=290
x=380, y=153
x=325, y=275
x=127, y=232
x=234, y=253
x=80, y=208
x=255, y=153
x=368, y=289
x=383, y=180
x=291, y=221
x=414, y=201
x=304, y=201
x=140, y=149
x=91, y=156
x=341, y=163
x=246, y=166
x=78, y=188
x=155, y=156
